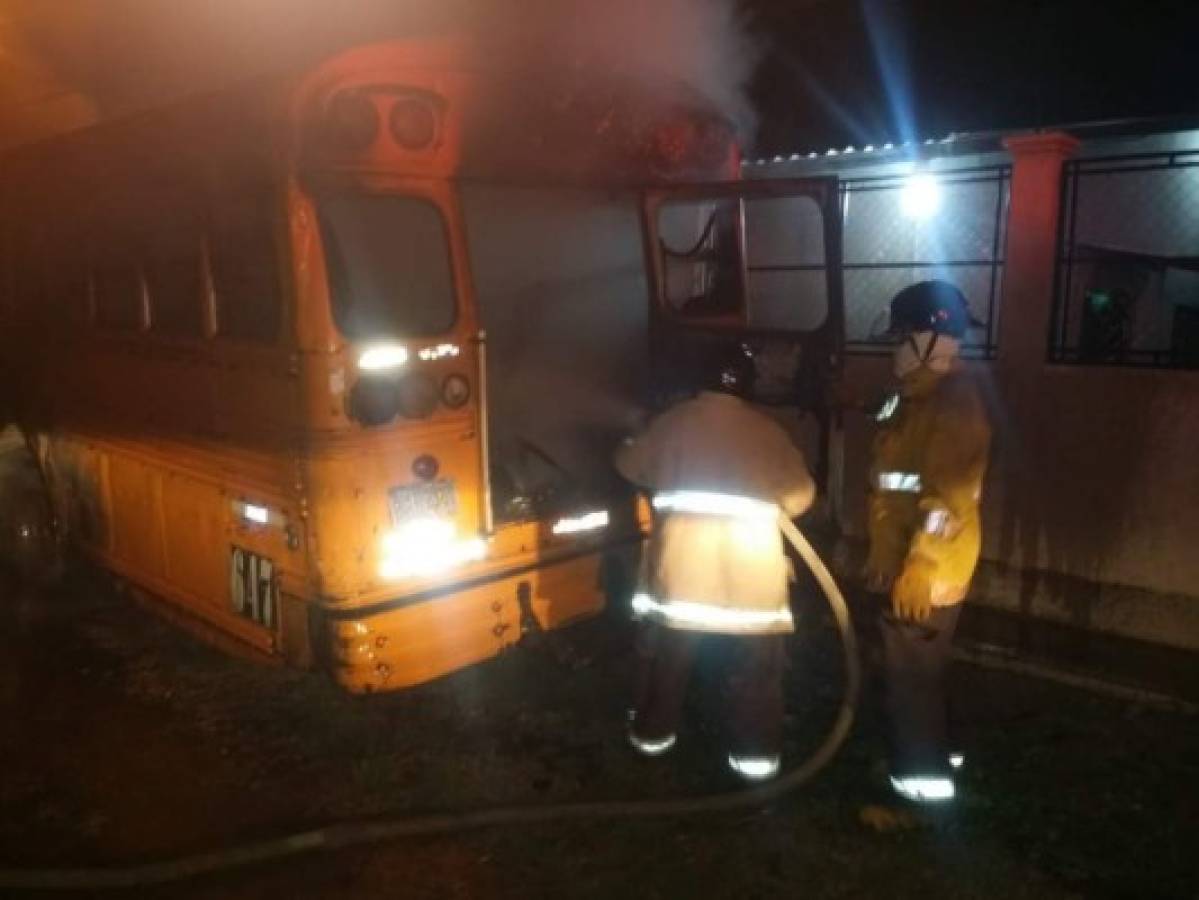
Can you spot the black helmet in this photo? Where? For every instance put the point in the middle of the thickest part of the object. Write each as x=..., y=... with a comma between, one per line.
x=733, y=371
x=936, y=306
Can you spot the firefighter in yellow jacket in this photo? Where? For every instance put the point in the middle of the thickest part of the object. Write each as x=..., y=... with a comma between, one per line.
x=930, y=457
x=720, y=474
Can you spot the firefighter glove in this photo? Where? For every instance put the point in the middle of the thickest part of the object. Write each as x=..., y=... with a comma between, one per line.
x=912, y=593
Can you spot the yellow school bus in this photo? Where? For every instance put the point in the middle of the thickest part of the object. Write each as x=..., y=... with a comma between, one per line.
x=333, y=365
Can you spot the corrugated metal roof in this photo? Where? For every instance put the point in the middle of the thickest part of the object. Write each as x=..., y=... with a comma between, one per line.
x=982, y=141
x=887, y=148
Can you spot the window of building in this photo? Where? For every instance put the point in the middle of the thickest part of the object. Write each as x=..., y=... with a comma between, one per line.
x=899, y=230
x=1128, y=262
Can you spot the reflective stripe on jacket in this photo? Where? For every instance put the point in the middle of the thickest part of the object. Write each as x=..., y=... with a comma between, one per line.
x=720, y=472
x=930, y=457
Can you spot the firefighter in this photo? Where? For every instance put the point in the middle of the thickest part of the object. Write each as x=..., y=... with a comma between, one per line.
x=930, y=456
x=719, y=473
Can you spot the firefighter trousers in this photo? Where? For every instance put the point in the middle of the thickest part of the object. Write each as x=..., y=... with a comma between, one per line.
x=666, y=657
x=915, y=658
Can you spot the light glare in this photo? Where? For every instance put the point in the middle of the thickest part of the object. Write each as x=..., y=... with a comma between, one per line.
x=252, y=512
x=685, y=612
x=924, y=788
x=441, y=351
x=754, y=767
x=708, y=503
x=652, y=748
x=903, y=482
x=259, y=514
x=921, y=197
x=426, y=547
x=382, y=357
x=591, y=521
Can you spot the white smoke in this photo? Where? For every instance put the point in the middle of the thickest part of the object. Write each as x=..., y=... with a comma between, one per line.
x=122, y=56
x=34, y=99
x=63, y=62
x=703, y=46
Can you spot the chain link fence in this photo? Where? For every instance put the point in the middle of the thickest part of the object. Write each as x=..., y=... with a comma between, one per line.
x=898, y=230
x=1128, y=262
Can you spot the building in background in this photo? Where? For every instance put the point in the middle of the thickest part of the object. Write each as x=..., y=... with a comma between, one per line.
x=1079, y=252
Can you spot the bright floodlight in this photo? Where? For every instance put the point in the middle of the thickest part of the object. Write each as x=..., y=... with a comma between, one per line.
x=921, y=197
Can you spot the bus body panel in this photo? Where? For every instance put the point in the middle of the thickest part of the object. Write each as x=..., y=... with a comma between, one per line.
x=174, y=522
x=349, y=498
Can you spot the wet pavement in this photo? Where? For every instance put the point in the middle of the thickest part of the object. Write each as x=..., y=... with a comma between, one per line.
x=125, y=739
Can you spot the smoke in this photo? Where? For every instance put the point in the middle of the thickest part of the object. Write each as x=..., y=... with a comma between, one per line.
x=122, y=56
x=702, y=47
x=65, y=63
x=34, y=99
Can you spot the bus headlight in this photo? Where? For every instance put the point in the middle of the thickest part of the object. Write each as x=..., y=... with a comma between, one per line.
x=382, y=358
x=426, y=547
x=374, y=401
x=417, y=396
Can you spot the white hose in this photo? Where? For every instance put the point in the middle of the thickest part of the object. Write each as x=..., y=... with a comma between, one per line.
x=346, y=834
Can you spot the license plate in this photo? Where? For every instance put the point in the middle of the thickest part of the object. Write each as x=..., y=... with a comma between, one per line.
x=421, y=501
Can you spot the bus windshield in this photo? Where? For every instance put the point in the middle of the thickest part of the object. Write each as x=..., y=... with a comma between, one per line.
x=389, y=265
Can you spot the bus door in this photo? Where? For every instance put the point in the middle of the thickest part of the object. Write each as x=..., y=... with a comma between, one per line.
x=758, y=262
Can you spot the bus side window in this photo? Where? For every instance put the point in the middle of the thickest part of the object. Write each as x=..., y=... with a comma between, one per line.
x=174, y=278
x=29, y=274
x=69, y=291
x=117, y=282
x=243, y=257
x=701, y=261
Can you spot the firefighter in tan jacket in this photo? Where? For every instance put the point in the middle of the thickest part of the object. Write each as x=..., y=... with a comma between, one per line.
x=720, y=475
x=930, y=457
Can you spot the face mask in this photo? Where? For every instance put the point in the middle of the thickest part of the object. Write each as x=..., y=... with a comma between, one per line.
x=925, y=349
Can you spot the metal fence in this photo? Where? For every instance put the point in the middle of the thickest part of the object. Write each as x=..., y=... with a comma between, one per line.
x=1127, y=288
x=954, y=231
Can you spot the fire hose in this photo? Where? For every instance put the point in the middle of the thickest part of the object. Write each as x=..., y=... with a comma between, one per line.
x=355, y=833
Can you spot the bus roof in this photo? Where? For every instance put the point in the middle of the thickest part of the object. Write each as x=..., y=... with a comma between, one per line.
x=500, y=120
x=490, y=120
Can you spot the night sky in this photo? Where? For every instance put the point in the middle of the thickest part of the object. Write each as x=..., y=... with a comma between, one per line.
x=965, y=65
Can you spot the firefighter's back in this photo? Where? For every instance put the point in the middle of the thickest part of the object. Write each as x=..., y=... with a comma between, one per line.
x=718, y=443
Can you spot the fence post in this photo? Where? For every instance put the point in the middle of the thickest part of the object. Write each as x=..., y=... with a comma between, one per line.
x=1028, y=281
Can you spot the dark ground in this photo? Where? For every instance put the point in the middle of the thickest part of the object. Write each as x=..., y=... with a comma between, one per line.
x=124, y=739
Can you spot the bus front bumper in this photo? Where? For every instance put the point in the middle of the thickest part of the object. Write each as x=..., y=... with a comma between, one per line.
x=410, y=640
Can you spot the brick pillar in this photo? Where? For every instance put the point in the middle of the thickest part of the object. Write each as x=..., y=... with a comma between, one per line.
x=1031, y=246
